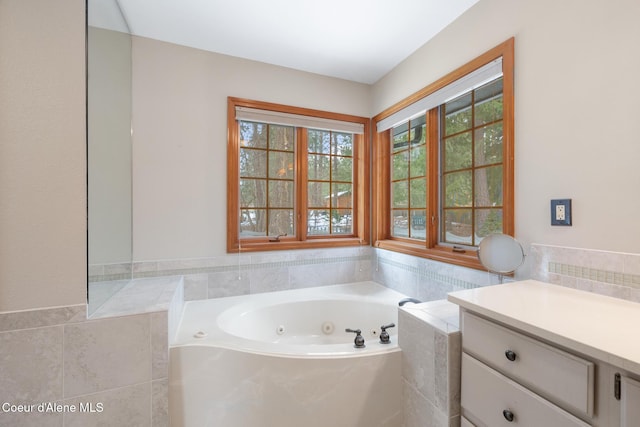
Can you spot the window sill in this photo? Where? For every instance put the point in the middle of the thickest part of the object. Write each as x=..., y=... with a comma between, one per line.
x=284, y=245
x=444, y=254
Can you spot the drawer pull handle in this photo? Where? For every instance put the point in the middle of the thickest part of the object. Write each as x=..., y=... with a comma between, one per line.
x=508, y=415
x=510, y=355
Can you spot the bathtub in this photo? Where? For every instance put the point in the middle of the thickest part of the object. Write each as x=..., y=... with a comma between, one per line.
x=283, y=359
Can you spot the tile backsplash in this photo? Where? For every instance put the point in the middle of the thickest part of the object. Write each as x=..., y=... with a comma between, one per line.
x=425, y=279
x=615, y=274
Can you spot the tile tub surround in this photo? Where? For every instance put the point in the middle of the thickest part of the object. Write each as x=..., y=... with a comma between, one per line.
x=59, y=356
x=614, y=274
x=431, y=343
x=123, y=297
x=232, y=275
x=425, y=279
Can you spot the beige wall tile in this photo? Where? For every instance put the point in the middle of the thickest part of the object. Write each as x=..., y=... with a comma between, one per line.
x=160, y=403
x=40, y=318
x=31, y=419
x=31, y=365
x=105, y=354
x=126, y=406
x=159, y=345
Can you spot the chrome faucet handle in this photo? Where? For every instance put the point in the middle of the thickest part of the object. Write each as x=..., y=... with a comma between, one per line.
x=384, y=335
x=358, y=342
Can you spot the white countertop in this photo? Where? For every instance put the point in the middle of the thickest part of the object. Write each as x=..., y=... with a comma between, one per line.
x=604, y=328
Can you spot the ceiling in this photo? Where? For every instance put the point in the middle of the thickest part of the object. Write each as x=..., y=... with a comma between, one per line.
x=358, y=40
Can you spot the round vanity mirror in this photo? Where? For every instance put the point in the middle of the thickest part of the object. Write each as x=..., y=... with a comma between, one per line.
x=500, y=254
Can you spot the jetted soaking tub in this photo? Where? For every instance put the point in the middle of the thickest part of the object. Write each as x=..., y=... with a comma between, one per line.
x=283, y=359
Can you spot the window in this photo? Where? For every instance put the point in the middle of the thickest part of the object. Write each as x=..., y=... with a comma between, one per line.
x=409, y=180
x=471, y=166
x=297, y=178
x=330, y=183
x=266, y=179
x=443, y=163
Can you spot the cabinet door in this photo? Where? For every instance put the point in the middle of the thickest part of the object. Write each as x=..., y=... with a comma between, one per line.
x=629, y=405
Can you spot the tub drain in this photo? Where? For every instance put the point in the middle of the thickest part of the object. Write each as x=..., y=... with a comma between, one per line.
x=327, y=328
x=280, y=330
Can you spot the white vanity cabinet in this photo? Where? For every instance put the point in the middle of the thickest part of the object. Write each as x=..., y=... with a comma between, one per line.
x=539, y=355
x=630, y=402
x=511, y=379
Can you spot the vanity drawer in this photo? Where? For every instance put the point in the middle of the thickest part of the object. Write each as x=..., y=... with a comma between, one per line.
x=494, y=399
x=561, y=377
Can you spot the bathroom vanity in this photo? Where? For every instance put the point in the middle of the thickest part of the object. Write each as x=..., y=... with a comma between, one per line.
x=536, y=354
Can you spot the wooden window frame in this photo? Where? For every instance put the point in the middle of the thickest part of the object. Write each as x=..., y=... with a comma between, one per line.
x=361, y=184
x=381, y=221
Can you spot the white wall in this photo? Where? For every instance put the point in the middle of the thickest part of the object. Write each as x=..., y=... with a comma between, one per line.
x=577, y=95
x=180, y=137
x=42, y=154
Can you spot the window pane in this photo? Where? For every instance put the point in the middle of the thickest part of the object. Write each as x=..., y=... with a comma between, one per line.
x=281, y=138
x=458, y=114
x=400, y=137
x=342, y=169
x=318, y=194
x=418, y=193
x=281, y=194
x=458, y=226
x=253, y=163
x=341, y=221
x=418, y=225
x=400, y=223
x=253, y=193
x=399, y=195
x=488, y=188
x=318, y=222
x=341, y=196
x=457, y=152
x=400, y=165
x=253, y=222
x=342, y=144
x=280, y=222
x=280, y=165
x=253, y=135
x=488, y=144
x=488, y=107
x=457, y=189
x=488, y=221
x=418, y=132
x=418, y=161
x=318, y=167
x=319, y=141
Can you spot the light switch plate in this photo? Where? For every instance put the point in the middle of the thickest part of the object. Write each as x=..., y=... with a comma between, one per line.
x=561, y=212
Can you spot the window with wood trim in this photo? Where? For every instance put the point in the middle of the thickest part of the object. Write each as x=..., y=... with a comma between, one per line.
x=297, y=178
x=443, y=163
